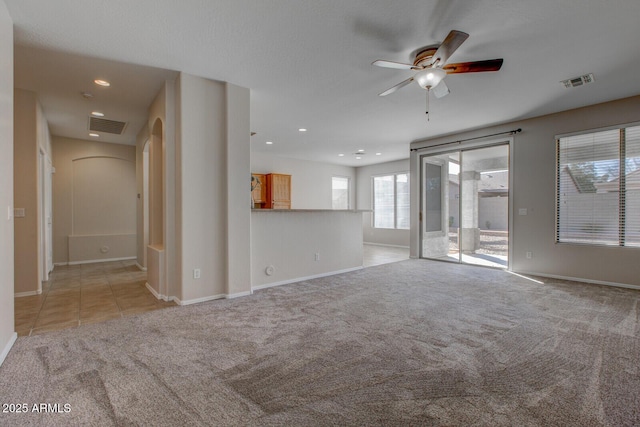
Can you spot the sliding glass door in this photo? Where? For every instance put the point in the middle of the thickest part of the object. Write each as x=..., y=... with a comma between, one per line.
x=465, y=206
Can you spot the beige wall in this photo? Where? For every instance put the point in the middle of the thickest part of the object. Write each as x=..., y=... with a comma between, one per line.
x=212, y=193
x=25, y=185
x=94, y=196
x=238, y=153
x=31, y=136
x=534, y=174
x=162, y=111
x=141, y=139
x=7, y=333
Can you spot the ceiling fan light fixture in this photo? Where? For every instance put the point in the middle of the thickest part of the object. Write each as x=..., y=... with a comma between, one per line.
x=430, y=77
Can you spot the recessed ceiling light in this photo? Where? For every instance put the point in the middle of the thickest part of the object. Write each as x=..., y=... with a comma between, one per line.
x=97, y=114
x=340, y=155
x=95, y=135
x=302, y=130
x=378, y=154
x=361, y=151
x=269, y=142
x=101, y=82
x=358, y=157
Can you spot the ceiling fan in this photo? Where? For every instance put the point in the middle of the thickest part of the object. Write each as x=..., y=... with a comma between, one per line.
x=431, y=64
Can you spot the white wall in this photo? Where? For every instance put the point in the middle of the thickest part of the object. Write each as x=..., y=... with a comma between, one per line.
x=212, y=145
x=238, y=148
x=364, y=185
x=7, y=333
x=310, y=181
x=534, y=176
x=289, y=240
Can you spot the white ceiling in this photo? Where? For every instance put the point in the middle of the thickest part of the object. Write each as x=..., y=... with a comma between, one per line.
x=308, y=63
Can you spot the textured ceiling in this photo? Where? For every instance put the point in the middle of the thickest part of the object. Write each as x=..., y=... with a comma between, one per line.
x=308, y=63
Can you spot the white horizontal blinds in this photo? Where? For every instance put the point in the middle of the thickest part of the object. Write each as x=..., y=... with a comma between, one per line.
x=631, y=195
x=402, y=201
x=588, y=188
x=383, y=201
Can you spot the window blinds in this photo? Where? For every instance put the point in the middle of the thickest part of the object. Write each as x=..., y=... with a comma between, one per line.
x=598, y=188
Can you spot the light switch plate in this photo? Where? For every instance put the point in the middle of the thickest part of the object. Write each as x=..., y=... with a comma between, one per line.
x=522, y=211
x=19, y=213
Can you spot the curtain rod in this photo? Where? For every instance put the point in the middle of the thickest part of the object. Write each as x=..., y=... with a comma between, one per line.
x=510, y=132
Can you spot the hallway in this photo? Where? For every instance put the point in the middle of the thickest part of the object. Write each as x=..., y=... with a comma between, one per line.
x=87, y=293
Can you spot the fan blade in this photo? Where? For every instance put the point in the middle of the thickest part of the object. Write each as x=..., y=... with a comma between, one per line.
x=441, y=90
x=396, y=87
x=396, y=65
x=448, y=46
x=474, y=67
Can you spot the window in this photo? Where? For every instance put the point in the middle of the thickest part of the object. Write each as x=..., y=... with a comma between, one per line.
x=598, y=188
x=391, y=201
x=339, y=192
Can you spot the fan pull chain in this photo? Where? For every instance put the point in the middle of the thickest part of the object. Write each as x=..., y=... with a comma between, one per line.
x=427, y=112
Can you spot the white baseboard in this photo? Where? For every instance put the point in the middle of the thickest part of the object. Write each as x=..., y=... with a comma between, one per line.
x=7, y=347
x=300, y=279
x=91, y=261
x=159, y=296
x=141, y=267
x=27, y=294
x=239, y=294
x=579, y=279
x=198, y=300
x=385, y=245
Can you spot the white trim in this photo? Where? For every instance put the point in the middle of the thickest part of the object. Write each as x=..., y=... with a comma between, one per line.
x=27, y=294
x=579, y=279
x=159, y=296
x=91, y=261
x=7, y=348
x=385, y=245
x=141, y=267
x=239, y=294
x=198, y=300
x=300, y=279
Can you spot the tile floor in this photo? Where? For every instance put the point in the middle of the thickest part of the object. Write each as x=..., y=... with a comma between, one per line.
x=87, y=293
x=376, y=255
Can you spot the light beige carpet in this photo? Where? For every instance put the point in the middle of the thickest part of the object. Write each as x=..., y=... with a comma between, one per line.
x=409, y=343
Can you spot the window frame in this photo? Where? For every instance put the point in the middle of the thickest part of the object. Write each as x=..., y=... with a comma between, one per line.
x=622, y=158
x=395, y=200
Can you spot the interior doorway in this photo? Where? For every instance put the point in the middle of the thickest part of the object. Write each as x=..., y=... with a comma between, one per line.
x=465, y=206
x=46, y=217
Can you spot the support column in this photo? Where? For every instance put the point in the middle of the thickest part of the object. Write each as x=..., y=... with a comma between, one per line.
x=470, y=238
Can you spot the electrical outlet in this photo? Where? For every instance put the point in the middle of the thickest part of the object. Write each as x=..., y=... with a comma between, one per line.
x=317, y=256
x=196, y=273
x=529, y=255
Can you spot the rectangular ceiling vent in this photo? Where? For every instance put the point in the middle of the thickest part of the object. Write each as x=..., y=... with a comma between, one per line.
x=578, y=81
x=107, y=126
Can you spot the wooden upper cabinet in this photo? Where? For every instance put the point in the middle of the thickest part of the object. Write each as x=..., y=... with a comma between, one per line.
x=259, y=193
x=278, y=191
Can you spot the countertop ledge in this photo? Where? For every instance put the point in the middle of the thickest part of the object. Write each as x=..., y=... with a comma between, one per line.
x=312, y=210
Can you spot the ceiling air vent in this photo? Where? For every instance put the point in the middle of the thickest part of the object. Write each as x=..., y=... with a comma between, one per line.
x=578, y=81
x=107, y=126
